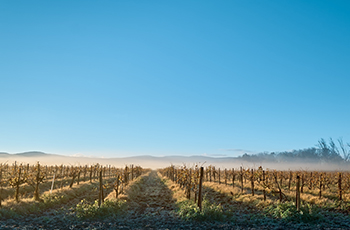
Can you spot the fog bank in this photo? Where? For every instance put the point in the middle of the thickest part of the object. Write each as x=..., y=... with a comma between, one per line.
x=161, y=162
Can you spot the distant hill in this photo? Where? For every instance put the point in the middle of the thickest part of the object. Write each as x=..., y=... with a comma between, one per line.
x=31, y=154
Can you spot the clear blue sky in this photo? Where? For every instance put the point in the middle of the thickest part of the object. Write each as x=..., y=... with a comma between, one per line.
x=126, y=78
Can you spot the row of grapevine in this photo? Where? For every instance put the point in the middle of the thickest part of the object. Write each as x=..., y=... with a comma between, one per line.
x=27, y=177
x=284, y=185
x=189, y=179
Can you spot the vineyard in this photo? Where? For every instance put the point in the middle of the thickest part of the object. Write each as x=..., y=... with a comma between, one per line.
x=105, y=197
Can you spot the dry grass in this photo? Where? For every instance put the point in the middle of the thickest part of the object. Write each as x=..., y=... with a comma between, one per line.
x=122, y=195
x=328, y=199
x=58, y=197
x=27, y=191
x=222, y=188
x=178, y=193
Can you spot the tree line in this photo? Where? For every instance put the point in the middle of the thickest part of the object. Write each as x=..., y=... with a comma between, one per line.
x=324, y=151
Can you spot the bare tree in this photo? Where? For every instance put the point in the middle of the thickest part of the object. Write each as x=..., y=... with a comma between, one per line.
x=329, y=151
x=345, y=152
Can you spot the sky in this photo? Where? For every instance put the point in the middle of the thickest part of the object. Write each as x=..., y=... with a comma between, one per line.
x=215, y=78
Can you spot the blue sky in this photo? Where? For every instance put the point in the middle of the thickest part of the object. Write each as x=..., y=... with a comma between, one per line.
x=126, y=78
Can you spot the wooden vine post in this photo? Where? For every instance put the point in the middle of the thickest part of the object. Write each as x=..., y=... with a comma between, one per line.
x=18, y=182
x=37, y=180
x=61, y=171
x=210, y=171
x=85, y=171
x=53, y=181
x=214, y=174
x=132, y=172
x=196, y=173
x=241, y=174
x=339, y=187
x=78, y=179
x=90, y=175
x=0, y=184
x=189, y=185
x=263, y=179
x=95, y=170
x=173, y=173
x=311, y=182
x=302, y=183
x=297, y=201
x=200, y=189
x=290, y=179
x=219, y=177
x=233, y=177
x=252, y=181
x=100, y=197
x=116, y=187
x=320, y=186
x=126, y=175
x=206, y=174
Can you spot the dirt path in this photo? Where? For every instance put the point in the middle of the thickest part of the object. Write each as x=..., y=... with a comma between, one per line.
x=150, y=197
x=150, y=203
x=151, y=206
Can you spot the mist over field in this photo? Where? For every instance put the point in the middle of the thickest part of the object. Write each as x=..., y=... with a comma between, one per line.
x=162, y=162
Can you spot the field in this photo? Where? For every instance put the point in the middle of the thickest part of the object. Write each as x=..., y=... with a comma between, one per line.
x=105, y=197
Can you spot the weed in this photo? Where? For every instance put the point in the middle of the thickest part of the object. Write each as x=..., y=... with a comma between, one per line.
x=7, y=213
x=109, y=208
x=188, y=210
x=288, y=211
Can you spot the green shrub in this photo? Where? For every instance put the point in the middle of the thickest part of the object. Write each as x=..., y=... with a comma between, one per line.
x=188, y=210
x=84, y=210
x=7, y=213
x=289, y=212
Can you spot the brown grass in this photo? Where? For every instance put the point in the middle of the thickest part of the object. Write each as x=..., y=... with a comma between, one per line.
x=58, y=197
x=329, y=196
x=111, y=195
x=178, y=193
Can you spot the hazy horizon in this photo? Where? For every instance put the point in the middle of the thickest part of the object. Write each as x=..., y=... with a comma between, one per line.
x=178, y=161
